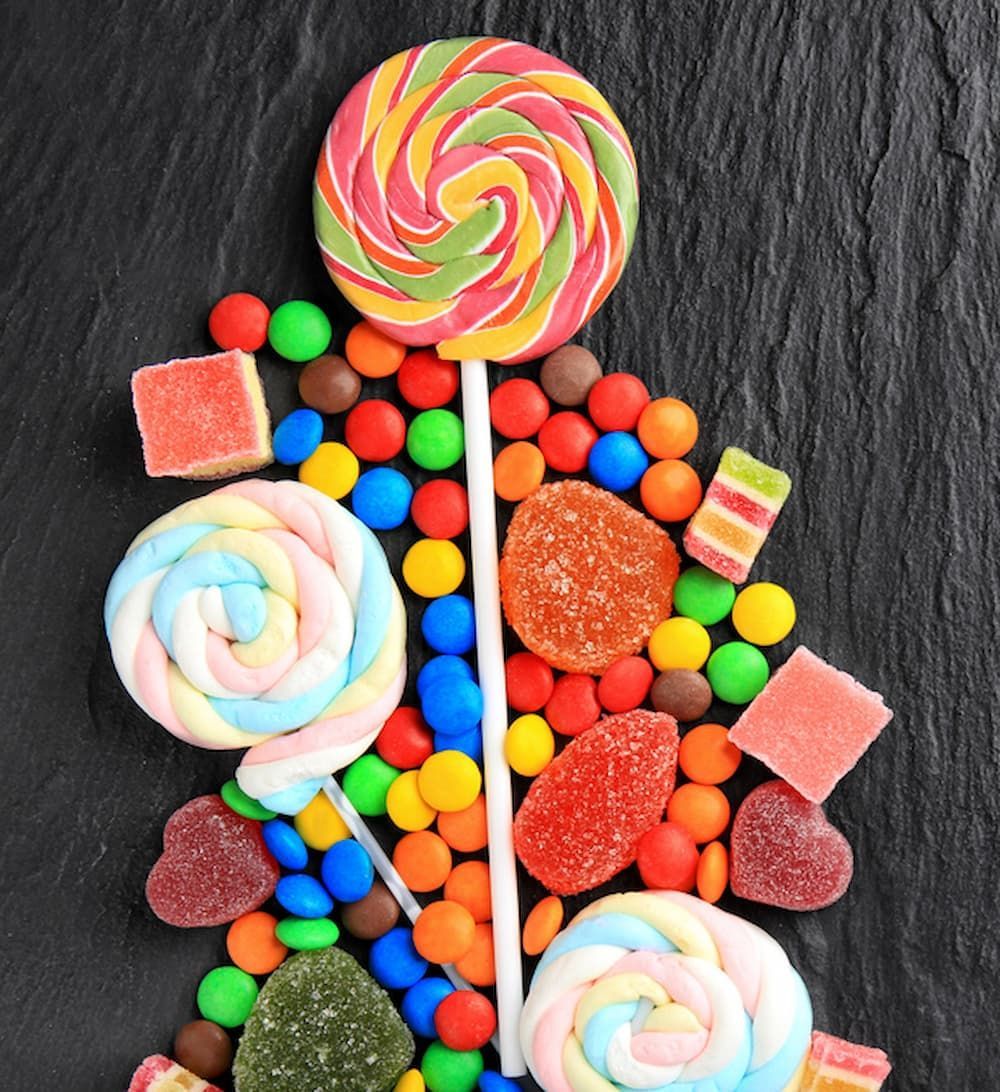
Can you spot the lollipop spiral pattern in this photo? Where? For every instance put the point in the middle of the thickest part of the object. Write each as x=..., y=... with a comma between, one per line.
x=659, y=990
x=479, y=194
x=263, y=615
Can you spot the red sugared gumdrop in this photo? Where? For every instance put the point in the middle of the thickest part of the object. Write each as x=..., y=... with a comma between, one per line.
x=584, y=814
x=215, y=866
x=667, y=858
x=785, y=852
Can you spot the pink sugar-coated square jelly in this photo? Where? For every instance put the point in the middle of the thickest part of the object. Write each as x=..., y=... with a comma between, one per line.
x=810, y=724
x=202, y=416
x=157, y=1073
x=834, y=1065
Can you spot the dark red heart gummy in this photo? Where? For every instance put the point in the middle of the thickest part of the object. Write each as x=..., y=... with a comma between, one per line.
x=215, y=866
x=584, y=814
x=785, y=852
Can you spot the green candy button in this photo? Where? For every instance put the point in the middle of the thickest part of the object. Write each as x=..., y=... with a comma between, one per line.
x=299, y=331
x=737, y=672
x=436, y=439
x=237, y=800
x=447, y=1070
x=226, y=995
x=703, y=595
x=307, y=934
x=366, y=783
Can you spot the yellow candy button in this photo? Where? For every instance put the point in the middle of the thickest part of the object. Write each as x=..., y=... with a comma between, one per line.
x=764, y=614
x=319, y=823
x=449, y=781
x=411, y=1081
x=406, y=807
x=332, y=469
x=433, y=567
x=679, y=642
x=529, y=745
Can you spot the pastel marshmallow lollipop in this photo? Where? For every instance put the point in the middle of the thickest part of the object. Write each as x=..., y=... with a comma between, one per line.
x=263, y=615
x=659, y=990
x=479, y=194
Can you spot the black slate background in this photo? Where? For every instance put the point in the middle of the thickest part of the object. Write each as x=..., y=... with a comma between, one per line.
x=817, y=270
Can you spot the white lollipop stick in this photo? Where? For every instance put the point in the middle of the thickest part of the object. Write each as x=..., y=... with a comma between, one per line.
x=492, y=680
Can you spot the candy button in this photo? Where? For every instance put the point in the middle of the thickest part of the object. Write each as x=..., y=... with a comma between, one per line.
x=529, y=745
x=436, y=439
x=226, y=995
x=299, y=331
x=252, y=944
x=286, y=844
x=319, y=823
x=702, y=810
x=713, y=872
x=670, y=490
x=405, y=741
x=297, y=437
x=616, y=401
x=453, y=705
x=529, y=682
x=617, y=461
x=707, y=756
x=491, y=1081
x=465, y=830
x=426, y=381
x=764, y=614
x=375, y=430
x=479, y=966
x=668, y=428
x=420, y=1002
x=465, y=1020
x=449, y=625
x=544, y=920
x=304, y=896
x=441, y=667
x=411, y=1081
x=440, y=508
x=347, y=871
x=329, y=384
x=569, y=374
x=444, y=932
x=373, y=916
x=239, y=321
x=394, y=961
x=406, y=807
x=332, y=469
x=469, y=743
x=679, y=642
x=447, y=1070
x=703, y=595
x=469, y=886
x=381, y=498
x=625, y=684
x=203, y=1048
x=423, y=860
x=307, y=934
x=518, y=408
x=450, y=781
x=518, y=471
x=686, y=695
x=738, y=672
x=237, y=800
x=372, y=353
x=573, y=707
x=565, y=440
x=667, y=858
x=433, y=567
x=366, y=783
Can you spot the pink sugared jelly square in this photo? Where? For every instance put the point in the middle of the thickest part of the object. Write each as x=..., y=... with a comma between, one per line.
x=811, y=724
x=202, y=416
x=835, y=1065
x=157, y=1073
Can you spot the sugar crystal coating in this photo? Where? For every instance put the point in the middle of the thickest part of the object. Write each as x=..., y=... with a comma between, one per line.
x=582, y=819
x=835, y=1065
x=158, y=1073
x=321, y=1022
x=585, y=578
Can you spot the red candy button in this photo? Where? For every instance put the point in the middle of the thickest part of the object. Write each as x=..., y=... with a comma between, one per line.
x=239, y=321
x=405, y=740
x=465, y=1020
x=375, y=430
x=615, y=402
x=440, y=508
x=529, y=682
x=426, y=381
x=625, y=684
x=565, y=440
x=573, y=707
x=518, y=408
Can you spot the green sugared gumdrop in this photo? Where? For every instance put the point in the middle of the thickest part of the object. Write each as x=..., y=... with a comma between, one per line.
x=322, y=1022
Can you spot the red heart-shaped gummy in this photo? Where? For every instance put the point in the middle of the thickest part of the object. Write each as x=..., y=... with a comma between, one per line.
x=215, y=866
x=784, y=851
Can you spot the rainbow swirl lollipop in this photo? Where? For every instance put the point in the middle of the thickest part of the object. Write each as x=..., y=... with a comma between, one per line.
x=262, y=615
x=659, y=990
x=476, y=194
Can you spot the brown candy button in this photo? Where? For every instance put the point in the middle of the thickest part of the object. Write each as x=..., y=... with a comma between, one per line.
x=329, y=384
x=685, y=695
x=373, y=916
x=568, y=374
x=204, y=1048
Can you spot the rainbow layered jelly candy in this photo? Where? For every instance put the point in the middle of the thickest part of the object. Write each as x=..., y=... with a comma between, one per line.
x=739, y=509
x=157, y=1073
x=811, y=724
x=835, y=1065
x=202, y=416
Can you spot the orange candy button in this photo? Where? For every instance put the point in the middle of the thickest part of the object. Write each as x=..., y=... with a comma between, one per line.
x=707, y=756
x=668, y=428
x=372, y=353
x=423, y=859
x=252, y=945
x=518, y=471
x=702, y=810
x=465, y=830
x=444, y=932
x=670, y=490
x=713, y=872
x=478, y=965
x=469, y=885
x=541, y=925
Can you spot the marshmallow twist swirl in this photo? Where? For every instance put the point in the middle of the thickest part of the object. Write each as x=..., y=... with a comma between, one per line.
x=263, y=615
x=661, y=991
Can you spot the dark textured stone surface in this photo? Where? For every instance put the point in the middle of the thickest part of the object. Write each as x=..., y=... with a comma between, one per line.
x=817, y=271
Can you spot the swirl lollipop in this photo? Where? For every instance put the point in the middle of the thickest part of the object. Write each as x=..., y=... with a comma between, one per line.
x=262, y=615
x=480, y=195
x=659, y=990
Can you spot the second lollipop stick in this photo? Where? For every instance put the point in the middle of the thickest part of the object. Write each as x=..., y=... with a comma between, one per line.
x=490, y=660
